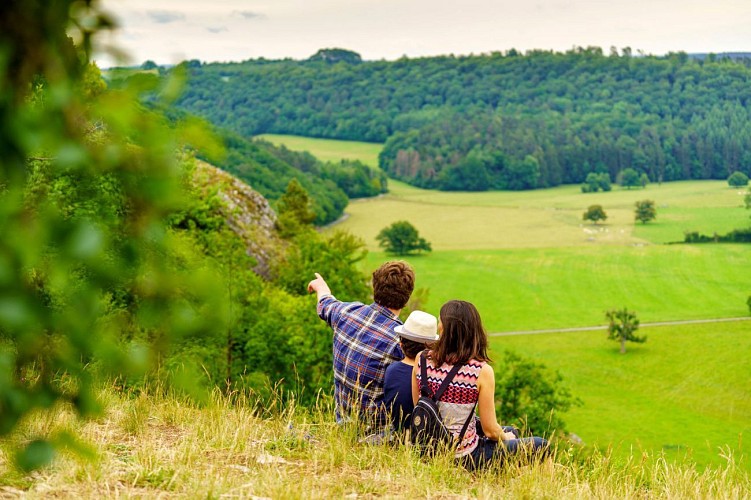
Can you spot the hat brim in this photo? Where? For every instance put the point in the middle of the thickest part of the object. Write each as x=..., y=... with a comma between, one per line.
x=406, y=334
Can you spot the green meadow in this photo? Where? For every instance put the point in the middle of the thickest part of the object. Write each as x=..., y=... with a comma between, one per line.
x=539, y=288
x=328, y=149
x=684, y=392
x=528, y=261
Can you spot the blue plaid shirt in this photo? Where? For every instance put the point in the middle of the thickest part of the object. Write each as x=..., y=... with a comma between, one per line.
x=364, y=345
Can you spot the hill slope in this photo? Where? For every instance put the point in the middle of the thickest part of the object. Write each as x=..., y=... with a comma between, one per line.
x=154, y=445
x=485, y=122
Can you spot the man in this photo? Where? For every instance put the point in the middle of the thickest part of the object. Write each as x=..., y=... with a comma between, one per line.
x=365, y=342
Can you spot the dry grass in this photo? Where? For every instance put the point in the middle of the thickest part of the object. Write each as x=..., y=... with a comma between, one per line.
x=162, y=447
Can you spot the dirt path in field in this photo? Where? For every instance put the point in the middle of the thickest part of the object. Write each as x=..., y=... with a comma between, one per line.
x=604, y=327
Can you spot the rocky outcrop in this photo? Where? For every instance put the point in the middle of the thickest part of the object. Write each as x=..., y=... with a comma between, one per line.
x=247, y=212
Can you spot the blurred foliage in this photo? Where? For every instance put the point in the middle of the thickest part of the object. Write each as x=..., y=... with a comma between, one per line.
x=113, y=261
x=91, y=280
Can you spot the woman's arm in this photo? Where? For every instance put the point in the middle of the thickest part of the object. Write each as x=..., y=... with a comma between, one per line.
x=486, y=404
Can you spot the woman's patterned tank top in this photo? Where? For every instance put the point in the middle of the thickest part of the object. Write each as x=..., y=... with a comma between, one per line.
x=458, y=401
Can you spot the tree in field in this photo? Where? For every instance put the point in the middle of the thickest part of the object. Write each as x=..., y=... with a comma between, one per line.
x=645, y=211
x=737, y=179
x=629, y=178
x=622, y=325
x=531, y=396
x=595, y=213
x=747, y=199
x=402, y=238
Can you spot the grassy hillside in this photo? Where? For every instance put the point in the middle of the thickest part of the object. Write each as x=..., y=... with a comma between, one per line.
x=151, y=445
x=683, y=392
x=549, y=217
x=527, y=261
x=328, y=149
x=528, y=289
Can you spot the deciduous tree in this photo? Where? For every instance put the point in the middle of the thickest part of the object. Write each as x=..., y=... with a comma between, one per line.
x=629, y=178
x=531, y=396
x=595, y=213
x=402, y=238
x=737, y=179
x=645, y=211
x=622, y=326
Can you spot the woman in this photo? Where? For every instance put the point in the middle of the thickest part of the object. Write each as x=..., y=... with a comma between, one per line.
x=463, y=341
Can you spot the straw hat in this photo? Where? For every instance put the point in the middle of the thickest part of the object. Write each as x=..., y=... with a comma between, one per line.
x=419, y=327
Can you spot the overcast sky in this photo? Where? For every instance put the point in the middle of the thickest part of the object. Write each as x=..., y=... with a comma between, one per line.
x=169, y=31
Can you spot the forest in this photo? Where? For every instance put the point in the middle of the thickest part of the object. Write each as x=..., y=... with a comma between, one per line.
x=506, y=120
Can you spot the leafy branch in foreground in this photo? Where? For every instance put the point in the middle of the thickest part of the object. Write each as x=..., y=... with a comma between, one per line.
x=90, y=278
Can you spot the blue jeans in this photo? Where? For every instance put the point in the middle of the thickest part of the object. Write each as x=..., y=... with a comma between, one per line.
x=488, y=450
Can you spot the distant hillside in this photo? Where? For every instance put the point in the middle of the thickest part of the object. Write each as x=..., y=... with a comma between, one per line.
x=500, y=121
x=736, y=56
x=268, y=169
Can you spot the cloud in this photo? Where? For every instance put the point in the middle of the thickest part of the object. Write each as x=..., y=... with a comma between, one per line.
x=216, y=29
x=165, y=16
x=247, y=14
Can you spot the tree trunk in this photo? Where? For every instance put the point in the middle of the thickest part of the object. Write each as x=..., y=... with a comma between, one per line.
x=623, y=346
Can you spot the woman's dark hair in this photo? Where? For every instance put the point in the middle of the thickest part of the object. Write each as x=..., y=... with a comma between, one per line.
x=463, y=336
x=410, y=348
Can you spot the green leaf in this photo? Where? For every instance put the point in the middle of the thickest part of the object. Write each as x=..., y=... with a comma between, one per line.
x=36, y=455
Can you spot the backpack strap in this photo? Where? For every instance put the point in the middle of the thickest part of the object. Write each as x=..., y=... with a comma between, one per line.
x=466, y=424
x=425, y=388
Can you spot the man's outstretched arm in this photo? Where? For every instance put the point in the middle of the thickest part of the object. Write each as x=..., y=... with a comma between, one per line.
x=319, y=286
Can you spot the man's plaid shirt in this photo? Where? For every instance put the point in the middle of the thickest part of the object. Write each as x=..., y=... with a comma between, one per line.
x=364, y=345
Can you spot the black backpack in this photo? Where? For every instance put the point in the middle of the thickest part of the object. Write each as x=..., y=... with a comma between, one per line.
x=428, y=433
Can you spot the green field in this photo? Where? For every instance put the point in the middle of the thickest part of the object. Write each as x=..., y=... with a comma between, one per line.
x=685, y=391
x=327, y=149
x=528, y=262
x=527, y=289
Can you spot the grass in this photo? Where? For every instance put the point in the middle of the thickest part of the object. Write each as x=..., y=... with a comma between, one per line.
x=528, y=262
x=683, y=392
x=540, y=288
x=671, y=414
x=328, y=149
x=548, y=217
x=230, y=448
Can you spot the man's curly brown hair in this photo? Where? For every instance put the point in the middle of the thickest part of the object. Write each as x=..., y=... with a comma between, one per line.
x=393, y=284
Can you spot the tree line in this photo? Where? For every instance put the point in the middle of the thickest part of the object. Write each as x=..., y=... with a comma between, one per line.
x=500, y=121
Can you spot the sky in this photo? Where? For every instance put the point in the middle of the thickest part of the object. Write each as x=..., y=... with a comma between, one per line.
x=170, y=31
